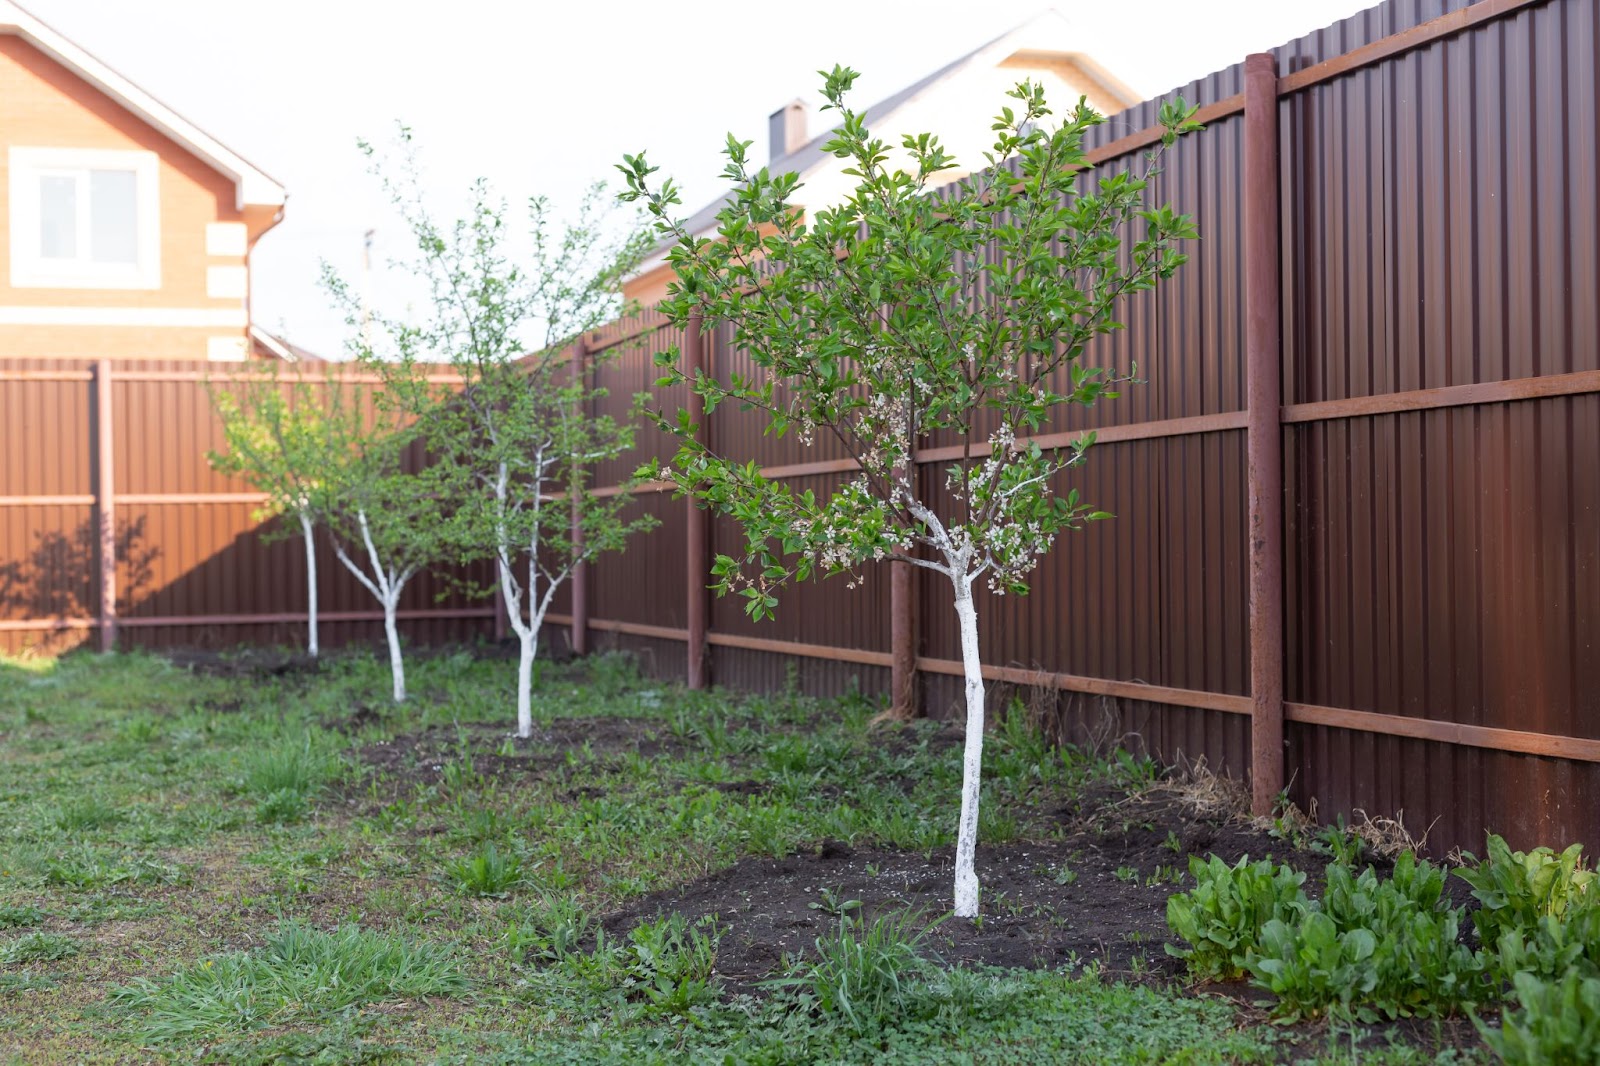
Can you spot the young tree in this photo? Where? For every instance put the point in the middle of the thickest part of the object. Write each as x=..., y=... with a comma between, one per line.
x=510, y=443
x=278, y=440
x=389, y=517
x=900, y=313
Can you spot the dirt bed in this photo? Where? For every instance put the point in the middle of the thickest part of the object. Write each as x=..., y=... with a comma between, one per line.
x=1099, y=895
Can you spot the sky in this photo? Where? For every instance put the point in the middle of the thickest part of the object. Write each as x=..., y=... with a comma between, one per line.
x=543, y=98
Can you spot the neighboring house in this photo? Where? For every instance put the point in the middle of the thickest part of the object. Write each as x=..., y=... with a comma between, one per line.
x=128, y=229
x=957, y=102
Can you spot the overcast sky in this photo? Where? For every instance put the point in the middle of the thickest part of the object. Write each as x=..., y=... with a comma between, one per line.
x=543, y=97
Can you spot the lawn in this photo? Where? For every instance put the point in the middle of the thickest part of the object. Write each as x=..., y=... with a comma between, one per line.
x=245, y=860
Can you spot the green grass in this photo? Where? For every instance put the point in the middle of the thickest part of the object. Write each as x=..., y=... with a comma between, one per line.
x=301, y=974
x=209, y=868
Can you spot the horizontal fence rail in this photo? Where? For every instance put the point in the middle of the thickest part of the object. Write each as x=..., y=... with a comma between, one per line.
x=1398, y=226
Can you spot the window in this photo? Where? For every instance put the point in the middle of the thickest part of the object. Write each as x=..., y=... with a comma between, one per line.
x=84, y=219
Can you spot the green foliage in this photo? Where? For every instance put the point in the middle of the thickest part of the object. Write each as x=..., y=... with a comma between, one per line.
x=86, y=813
x=863, y=971
x=1557, y=1022
x=1551, y=948
x=860, y=324
x=301, y=974
x=303, y=766
x=1515, y=890
x=14, y=916
x=283, y=436
x=287, y=776
x=535, y=979
x=480, y=372
x=668, y=966
x=1221, y=918
x=486, y=872
x=1371, y=949
x=38, y=947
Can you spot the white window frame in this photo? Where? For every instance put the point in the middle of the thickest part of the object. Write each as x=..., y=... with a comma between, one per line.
x=29, y=270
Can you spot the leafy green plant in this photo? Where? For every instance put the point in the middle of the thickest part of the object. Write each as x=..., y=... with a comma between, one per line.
x=488, y=871
x=673, y=963
x=1552, y=948
x=1222, y=917
x=1516, y=889
x=1556, y=1023
x=1371, y=949
x=1345, y=847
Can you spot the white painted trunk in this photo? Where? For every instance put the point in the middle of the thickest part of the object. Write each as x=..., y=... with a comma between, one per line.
x=966, y=891
x=397, y=666
x=529, y=641
x=311, y=585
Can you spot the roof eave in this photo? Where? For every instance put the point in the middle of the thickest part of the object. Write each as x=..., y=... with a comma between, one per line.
x=253, y=187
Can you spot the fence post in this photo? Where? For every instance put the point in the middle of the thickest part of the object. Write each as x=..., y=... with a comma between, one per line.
x=105, y=505
x=579, y=640
x=1263, y=390
x=697, y=562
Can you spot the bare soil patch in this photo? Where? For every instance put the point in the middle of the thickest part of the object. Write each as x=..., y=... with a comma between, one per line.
x=1097, y=895
x=420, y=758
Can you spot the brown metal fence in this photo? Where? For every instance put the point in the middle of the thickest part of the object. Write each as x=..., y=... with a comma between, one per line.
x=1411, y=284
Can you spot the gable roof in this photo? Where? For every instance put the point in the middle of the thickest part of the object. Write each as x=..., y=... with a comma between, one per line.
x=252, y=186
x=279, y=348
x=1048, y=26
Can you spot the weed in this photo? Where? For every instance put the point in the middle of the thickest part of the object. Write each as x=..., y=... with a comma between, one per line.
x=38, y=947
x=300, y=767
x=283, y=807
x=832, y=905
x=486, y=872
x=1126, y=874
x=86, y=813
x=862, y=971
x=14, y=916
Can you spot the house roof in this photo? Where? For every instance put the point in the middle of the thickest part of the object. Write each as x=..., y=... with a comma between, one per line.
x=280, y=348
x=253, y=187
x=1049, y=27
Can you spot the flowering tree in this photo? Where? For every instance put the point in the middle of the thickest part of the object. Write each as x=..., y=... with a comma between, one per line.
x=511, y=445
x=278, y=441
x=900, y=313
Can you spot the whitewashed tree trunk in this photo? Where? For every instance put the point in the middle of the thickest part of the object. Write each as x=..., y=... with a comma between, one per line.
x=528, y=640
x=306, y=529
x=966, y=889
x=385, y=586
x=397, y=666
